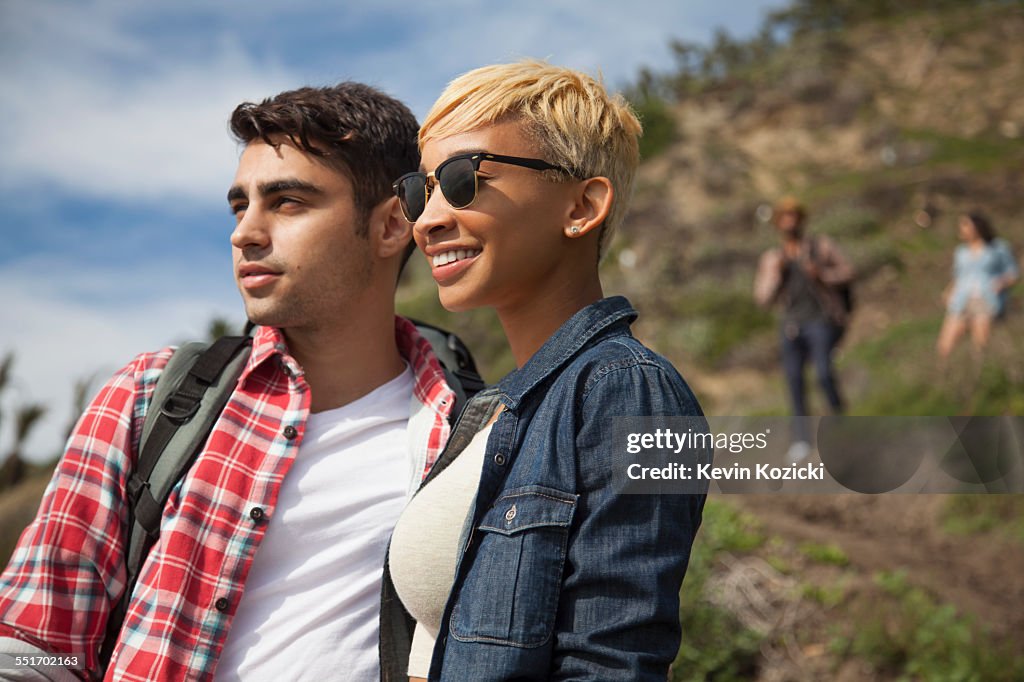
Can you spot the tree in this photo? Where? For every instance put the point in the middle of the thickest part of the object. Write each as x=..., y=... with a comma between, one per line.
x=218, y=327
x=13, y=468
x=5, y=377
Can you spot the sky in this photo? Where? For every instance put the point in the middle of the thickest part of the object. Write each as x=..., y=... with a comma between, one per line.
x=115, y=157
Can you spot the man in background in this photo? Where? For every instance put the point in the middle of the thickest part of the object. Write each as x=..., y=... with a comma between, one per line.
x=805, y=277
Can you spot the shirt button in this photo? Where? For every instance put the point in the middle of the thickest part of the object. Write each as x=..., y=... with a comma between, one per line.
x=290, y=432
x=499, y=459
x=222, y=604
x=510, y=514
x=257, y=514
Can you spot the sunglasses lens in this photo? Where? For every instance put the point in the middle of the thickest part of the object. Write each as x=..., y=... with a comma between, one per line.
x=458, y=182
x=412, y=196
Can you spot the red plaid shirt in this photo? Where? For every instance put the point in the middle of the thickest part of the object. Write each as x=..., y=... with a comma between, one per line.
x=69, y=570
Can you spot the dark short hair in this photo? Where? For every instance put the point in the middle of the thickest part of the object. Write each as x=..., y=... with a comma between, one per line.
x=354, y=128
x=982, y=226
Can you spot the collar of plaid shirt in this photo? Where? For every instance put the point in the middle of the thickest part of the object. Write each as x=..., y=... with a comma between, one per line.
x=68, y=567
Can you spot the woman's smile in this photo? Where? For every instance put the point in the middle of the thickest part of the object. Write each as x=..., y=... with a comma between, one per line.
x=447, y=265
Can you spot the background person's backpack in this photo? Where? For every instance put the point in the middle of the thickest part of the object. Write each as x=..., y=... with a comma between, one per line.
x=189, y=396
x=843, y=291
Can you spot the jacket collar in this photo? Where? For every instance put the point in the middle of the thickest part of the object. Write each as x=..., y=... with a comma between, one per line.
x=563, y=345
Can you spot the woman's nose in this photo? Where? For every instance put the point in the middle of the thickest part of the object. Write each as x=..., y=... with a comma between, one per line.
x=437, y=217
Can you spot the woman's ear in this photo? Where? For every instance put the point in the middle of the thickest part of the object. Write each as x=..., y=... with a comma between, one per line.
x=389, y=228
x=593, y=201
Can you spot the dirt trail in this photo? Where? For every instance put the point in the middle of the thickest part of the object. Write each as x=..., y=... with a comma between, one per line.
x=981, y=574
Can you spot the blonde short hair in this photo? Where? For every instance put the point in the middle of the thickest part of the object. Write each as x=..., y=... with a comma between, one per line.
x=577, y=123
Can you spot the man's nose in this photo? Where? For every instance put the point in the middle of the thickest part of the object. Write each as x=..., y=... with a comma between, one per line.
x=252, y=229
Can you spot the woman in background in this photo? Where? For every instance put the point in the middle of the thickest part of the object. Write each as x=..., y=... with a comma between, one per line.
x=520, y=559
x=983, y=271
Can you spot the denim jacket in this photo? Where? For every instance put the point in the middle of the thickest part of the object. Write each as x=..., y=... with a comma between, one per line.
x=559, y=577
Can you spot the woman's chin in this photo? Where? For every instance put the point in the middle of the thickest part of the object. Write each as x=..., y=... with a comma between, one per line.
x=456, y=302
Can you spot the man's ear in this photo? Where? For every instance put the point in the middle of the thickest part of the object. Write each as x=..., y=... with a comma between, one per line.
x=389, y=229
x=593, y=201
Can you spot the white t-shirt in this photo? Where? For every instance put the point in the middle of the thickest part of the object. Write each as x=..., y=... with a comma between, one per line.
x=311, y=605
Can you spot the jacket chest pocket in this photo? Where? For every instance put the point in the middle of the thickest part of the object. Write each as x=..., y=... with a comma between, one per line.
x=510, y=594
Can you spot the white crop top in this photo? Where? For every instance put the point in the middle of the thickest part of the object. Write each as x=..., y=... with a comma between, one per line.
x=425, y=545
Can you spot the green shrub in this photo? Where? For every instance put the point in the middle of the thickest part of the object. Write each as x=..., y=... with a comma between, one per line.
x=828, y=596
x=712, y=322
x=659, y=126
x=825, y=554
x=715, y=645
x=911, y=634
x=971, y=514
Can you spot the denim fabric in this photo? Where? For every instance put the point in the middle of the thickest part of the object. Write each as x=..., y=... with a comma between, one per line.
x=975, y=274
x=559, y=576
x=814, y=340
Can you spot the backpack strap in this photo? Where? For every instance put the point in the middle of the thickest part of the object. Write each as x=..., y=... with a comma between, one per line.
x=177, y=423
x=460, y=370
x=844, y=291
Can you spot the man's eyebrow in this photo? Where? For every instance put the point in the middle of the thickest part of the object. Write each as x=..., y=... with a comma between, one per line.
x=288, y=185
x=236, y=193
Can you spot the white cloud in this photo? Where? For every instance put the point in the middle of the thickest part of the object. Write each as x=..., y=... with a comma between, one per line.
x=59, y=341
x=96, y=108
x=90, y=109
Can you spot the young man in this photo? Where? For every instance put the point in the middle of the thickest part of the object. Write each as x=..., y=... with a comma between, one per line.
x=271, y=549
x=803, y=275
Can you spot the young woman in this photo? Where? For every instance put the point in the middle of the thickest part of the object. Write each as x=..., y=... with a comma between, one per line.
x=519, y=559
x=983, y=271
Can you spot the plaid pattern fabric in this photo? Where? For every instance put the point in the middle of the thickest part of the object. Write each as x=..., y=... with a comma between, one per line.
x=68, y=568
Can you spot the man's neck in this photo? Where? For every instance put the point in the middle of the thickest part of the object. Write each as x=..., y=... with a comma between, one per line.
x=792, y=243
x=345, y=362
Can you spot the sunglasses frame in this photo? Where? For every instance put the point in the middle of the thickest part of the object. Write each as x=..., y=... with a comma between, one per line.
x=476, y=158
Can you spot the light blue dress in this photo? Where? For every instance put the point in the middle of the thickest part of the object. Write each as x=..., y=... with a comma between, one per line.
x=976, y=273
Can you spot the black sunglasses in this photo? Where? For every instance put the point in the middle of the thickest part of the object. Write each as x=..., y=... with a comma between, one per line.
x=457, y=179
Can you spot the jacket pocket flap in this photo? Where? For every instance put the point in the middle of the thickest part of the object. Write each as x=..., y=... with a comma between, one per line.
x=530, y=507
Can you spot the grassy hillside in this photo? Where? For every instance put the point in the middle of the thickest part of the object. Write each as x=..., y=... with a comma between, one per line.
x=873, y=124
